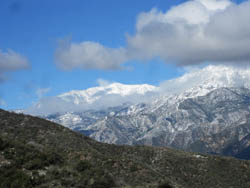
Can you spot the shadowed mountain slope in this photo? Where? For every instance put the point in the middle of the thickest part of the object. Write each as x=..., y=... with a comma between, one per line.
x=38, y=153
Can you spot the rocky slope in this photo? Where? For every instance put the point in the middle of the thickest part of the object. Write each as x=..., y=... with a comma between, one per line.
x=38, y=153
x=206, y=118
x=205, y=110
x=209, y=124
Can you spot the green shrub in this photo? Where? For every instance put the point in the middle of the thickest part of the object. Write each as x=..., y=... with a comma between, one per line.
x=1, y=144
x=133, y=168
x=165, y=185
x=14, y=178
x=103, y=182
x=35, y=164
x=37, y=179
x=54, y=158
x=82, y=166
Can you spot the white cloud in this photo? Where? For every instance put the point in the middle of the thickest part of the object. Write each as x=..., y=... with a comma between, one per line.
x=203, y=79
x=2, y=102
x=190, y=33
x=89, y=55
x=102, y=82
x=107, y=94
x=40, y=92
x=193, y=32
x=11, y=61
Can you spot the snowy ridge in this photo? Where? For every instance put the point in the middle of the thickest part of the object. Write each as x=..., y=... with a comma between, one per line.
x=196, y=82
x=96, y=98
x=199, y=82
x=187, y=113
x=92, y=94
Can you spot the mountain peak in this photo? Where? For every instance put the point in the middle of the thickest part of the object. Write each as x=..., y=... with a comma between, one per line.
x=195, y=82
x=199, y=82
x=221, y=76
x=92, y=94
x=100, y=97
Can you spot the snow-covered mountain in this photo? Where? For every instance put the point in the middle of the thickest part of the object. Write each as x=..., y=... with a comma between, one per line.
x=94, y=94
x=196, y=82
x=206, y=110
x=212, y=123
x=96, y=98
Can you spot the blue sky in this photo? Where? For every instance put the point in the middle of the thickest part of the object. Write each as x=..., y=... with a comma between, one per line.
x=32, y=29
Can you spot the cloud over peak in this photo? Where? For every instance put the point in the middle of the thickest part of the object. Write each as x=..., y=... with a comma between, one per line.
x=107, y=94
x=193, y=32
x=196, y=82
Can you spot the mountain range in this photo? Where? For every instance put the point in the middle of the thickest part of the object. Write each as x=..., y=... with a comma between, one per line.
x=205, y=110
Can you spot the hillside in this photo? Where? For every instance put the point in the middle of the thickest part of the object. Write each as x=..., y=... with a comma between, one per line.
x=39, y=153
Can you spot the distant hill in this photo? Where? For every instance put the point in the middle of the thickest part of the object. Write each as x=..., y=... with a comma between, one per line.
x=38, y=153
